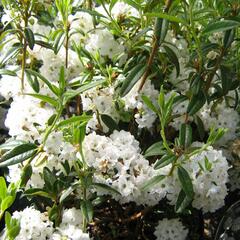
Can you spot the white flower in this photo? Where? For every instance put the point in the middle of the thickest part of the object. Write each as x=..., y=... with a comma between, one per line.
x=103, y=41
x=26, y=117
x=170, y=229
x=119, y=164
x=70, y=228
x=34, y=225
x=145, y=117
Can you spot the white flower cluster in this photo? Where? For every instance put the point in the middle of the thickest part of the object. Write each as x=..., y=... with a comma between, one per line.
x=100, y=100
x=80, y=25
x=102, y=41
x=221, y=116
x=133, y=101
x=208, y=172
x=120, y=9
x=171, y=229
x=53, y=62
x=70, y=227
x=56, y=152
x=34, y=225
x=119, y=164
x=26, y=117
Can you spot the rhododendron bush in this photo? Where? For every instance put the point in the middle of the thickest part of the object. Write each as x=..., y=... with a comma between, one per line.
x=121, y=117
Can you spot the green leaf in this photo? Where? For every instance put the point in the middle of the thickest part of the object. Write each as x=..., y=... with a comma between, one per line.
x=186, y=182
x=196, y=84
x=37, y=192
x=164, y=161
x=133, y=3
x=87, y=210
x=51, y=86
x=8, y=219
x=161, y=99
x=7, y=202
x=153, y=181
x=229, y=38
x=73, y=93
x=149, y=103
x=226, y=79
x=29, y=37
x=207, y=163
x=44, y=44
x=44, y=98
x=11, y=143
x=33, y=82
x=166, y=16
x=3, y=188
x=11, y=53
x=26, y=175
x=105, y=187
x=200, y=126
x=185, y=135
x=18, y=154
x=68, y=191
x=8, y=72
x=173, y=58
x=49, y=178
x=183, y=202
x=161, y=28
x=215, y=135
x=196, y=103
x=109, y=122
x=221, y=26
x=73, y=120
x=157, y=149
x=62, y=81
x=133, y=76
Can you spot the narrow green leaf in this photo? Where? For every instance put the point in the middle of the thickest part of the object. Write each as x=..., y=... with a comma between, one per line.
x=37, y=192
x=75, y=119
x=7, y=202
x=221, y=26
x=18, y=154
x=68, y=191
x=33, y=82
x=87, y=210
x=105, y=187
x=149, y=103
x=157, y=149
x=73, y=93
x=186, y=182
x=200, y=126
x=133, y=76
x=51, y=86
x=166, y=16
x=62, y=81
x=164, y=161
x=29, y=37
x=8, y=72
x=226, y=79
x=153, y=181
x=26, y=175
x=185, y=135
x=196, y=103
x=3, y=188
x=11, y=143
x=173, y=58
x=109, y=122
x=44, y=98
x=183, y=202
